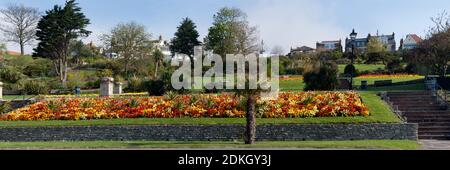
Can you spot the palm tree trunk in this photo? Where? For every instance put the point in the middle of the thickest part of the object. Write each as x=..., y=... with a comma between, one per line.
x=156, y=69
x=250, y=133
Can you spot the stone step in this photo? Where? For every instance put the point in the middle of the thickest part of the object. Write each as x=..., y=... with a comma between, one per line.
x=433, y=128
x=418, y=107
x=408, y=93
x=436, y=123
x=422, y=133
x=414, y=103
x=435, y=137
x=410, y=100
x=427, y=120
x=410, y=96
x=426, y=115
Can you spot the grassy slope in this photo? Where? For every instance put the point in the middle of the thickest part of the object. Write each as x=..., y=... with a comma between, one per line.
x=362, y=67
x=299, y=85
x=380, y=113
x=363, y=144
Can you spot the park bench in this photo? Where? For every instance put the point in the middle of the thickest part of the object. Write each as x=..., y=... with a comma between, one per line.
x=383, y=83
x=60, y=92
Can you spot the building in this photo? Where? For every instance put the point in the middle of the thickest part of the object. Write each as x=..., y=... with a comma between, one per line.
x=329, y=46
x=301, y=50
x=410, y=42
x=163, y=46
x=361, y=43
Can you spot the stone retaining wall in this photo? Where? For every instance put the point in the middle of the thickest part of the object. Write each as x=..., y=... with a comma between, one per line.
x=211, y=132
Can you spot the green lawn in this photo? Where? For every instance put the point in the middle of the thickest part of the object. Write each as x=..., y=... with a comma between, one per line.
x=380, y=113
x=16, y=97
x=362, y=67
x=360, y=144
x=299, y=85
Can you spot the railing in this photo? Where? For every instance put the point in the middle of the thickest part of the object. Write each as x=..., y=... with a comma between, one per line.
x=394, y=108
x=442, y=96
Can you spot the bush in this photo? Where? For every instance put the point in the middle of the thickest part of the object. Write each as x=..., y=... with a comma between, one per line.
x=394, y=66
x=155, y=87
x=350, y=70
x=136, y=85
x=35, y=87
x=75, y=80
x=343, y=61
x=325, y=79
x=294, y=71
x=40, y=67
x=411, y=69
x=11, y=75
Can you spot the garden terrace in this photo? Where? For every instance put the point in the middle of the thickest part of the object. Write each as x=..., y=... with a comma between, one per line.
x=379, y=113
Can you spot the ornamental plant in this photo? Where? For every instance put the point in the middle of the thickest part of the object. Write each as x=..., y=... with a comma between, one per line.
x=225, y=105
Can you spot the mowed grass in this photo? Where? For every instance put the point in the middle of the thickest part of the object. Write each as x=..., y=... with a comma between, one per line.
x=380, y=113
x=16, y=97
x=362, y=67
x=358, y=144
x=299, y=85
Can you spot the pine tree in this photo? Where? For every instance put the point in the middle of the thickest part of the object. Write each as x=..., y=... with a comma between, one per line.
x=55, y=31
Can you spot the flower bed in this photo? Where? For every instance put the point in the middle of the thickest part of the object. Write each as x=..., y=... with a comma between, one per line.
x=387, y=76
x=90, y=95
x=288, y=105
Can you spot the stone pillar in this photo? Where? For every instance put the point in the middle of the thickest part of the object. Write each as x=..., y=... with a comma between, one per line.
x=118, y=88
x=1, y=91
x=106, y=87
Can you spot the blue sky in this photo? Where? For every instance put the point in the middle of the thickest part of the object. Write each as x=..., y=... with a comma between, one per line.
x=288, y=23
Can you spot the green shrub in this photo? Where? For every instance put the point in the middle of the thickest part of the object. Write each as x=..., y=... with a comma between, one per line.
x=40, y=67
x=350, y=70
x=411, y=69
x=155, y=87
x=136, y=84
x=394, y=66
x=104, y=73
x=324, y=79
x=4, y=107
x=35, y=87
x=75, y=80
x=294, y=71
x=10, y=75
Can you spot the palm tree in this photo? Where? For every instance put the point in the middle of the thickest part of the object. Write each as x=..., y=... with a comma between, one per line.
x=158, y=56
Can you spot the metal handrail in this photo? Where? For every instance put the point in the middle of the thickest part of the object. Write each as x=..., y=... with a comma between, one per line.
x=441, y=95
x=393, y=108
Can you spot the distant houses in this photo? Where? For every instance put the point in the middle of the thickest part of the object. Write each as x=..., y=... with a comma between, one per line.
x=360, y=44
x=410, y=42
x=301, y=50
x=329, y=46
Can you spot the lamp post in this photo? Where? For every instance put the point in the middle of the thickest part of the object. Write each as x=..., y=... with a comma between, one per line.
x=353, y=38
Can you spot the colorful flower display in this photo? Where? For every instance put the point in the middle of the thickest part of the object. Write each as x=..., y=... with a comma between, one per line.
x=89, y=95
x=390, y=76
x=291, y=78
x=288, y=105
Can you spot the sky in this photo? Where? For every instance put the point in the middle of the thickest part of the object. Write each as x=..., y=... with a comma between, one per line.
x=285, y=23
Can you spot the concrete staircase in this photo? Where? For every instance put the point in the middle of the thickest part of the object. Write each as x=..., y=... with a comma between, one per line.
x=422, y=107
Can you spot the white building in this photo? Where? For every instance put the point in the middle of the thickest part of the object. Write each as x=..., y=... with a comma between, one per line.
x=411, y=41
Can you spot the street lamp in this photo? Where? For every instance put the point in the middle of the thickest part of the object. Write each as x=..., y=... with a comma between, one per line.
x=353, y=38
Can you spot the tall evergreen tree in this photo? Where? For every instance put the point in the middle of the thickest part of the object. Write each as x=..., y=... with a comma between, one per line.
x=186, y=38
x=55, y=31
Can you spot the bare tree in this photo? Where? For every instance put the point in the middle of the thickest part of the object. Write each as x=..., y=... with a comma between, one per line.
x=441, y=23
x=19, y=24
x=130, y=41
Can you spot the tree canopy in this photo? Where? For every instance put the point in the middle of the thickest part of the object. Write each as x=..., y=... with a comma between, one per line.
x=56, y=29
